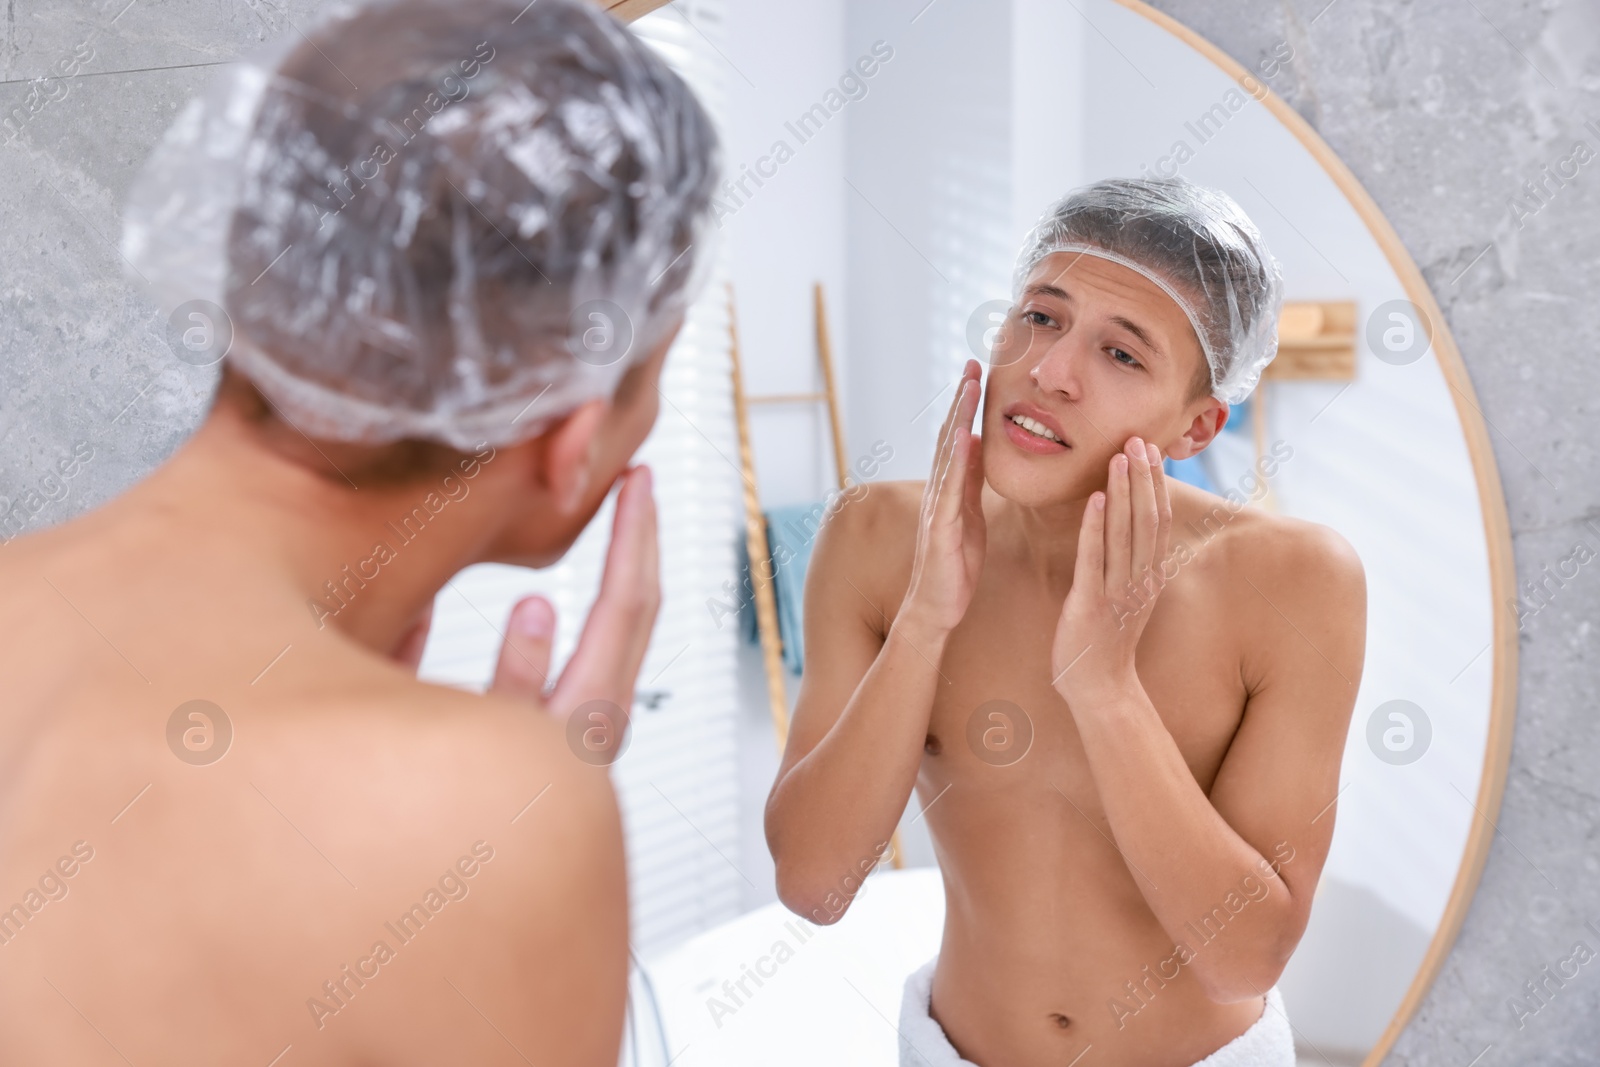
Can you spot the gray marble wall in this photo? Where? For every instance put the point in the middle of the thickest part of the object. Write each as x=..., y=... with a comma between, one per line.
x=1445, y=109
x=84, y=361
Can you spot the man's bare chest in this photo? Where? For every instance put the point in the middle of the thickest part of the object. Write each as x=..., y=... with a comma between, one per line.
x=997, y=718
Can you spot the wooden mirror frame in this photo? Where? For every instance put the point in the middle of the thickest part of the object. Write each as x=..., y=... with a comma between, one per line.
x=1491, y=501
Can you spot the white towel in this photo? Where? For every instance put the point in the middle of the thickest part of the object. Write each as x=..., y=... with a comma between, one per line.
x=1268, y=1043
x=922, y=1041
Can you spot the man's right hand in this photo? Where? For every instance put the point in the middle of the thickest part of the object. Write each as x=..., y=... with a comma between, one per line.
x=951, y=534
x=605, y=665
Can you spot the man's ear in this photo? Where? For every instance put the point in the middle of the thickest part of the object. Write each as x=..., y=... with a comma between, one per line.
x=565, y=462
x=1203, y=429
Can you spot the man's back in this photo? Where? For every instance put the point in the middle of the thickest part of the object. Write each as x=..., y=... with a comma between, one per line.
x=342, y=860
x=235, y=827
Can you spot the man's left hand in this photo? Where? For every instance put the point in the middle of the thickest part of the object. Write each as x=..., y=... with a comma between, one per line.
x=1121, y=546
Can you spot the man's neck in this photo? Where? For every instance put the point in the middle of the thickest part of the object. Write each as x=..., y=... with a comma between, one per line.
x=365, y=559
x=1043, y=540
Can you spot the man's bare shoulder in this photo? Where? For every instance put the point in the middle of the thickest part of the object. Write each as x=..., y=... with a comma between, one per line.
x=871, y=538
x=880, y=511
x=425, y=796
x=1266, y=546
x=454, y=740
x=1293, y=591
x=422, y=769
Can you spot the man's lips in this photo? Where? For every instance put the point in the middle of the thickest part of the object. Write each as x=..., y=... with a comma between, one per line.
x=1029, y=440
x=1032, y=442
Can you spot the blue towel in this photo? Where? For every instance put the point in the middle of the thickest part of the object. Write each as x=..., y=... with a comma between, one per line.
x=791, y=533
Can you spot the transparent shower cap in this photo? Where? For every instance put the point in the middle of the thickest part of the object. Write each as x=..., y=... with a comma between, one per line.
x=452, y=220
x=1197, y=244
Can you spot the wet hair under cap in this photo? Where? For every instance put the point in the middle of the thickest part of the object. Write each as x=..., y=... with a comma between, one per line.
x=1197, y=244
x=447, y=220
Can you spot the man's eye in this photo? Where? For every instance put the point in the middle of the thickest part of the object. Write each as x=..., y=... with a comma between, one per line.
x=1122, y=357
x=1038, y=318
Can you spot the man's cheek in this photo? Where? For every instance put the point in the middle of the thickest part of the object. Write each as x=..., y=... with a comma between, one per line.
x=649, y=421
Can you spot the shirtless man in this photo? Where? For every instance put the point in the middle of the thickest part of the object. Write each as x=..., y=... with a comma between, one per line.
x=328, y=861
x=1121, y=700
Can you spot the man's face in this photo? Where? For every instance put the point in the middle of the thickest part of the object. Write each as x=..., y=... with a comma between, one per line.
x=623, y=429
x=1097, y=352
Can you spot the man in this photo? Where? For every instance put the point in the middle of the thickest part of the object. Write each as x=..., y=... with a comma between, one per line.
x=1122, y=700
x=236, y=828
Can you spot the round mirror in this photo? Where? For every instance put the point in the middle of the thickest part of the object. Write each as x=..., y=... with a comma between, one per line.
x=973, y=119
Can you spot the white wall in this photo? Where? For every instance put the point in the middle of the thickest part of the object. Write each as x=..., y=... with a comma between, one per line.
x=928, y=213
x=789, y=232
x=782, y=235
x=1048, y=117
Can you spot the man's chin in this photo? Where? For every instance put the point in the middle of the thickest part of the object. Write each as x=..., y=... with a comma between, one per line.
x=551, y=548
x=559, y=534
x=1037, y=485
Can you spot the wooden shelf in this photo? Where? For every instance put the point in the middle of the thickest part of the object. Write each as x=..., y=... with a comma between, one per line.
x=1316, y=342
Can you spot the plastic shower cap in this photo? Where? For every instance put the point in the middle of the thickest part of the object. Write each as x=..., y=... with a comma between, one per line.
x=1197, y=244
x=444, y=219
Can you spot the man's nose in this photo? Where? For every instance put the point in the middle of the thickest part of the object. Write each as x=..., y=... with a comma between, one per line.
x=1058, y=367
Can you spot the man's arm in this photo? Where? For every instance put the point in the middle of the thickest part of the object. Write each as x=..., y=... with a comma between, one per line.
x=547, y=944
x=861, y=719
x=1277, y=786
x=1248, y=856
x=1298, y=599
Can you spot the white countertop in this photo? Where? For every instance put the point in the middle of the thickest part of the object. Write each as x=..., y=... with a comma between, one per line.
x=828, y=994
